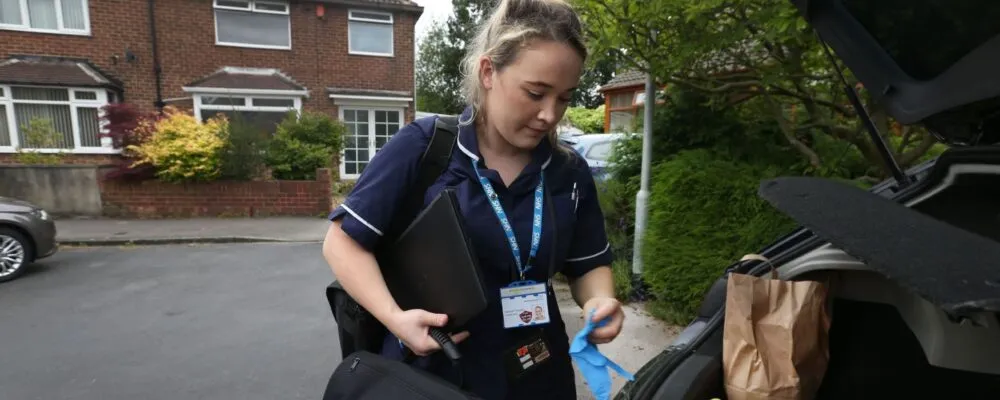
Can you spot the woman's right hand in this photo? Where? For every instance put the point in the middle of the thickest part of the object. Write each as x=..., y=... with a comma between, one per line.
x=412, y=327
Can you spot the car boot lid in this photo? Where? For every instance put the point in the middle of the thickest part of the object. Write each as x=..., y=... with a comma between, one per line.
x=933, y=62
x=948, y=266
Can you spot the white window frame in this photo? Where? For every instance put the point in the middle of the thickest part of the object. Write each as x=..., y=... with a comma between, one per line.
x=25, y=25
x=392, y=32
x=371, y=131
x=248, y=106
x=252, y=7
x=8, y=101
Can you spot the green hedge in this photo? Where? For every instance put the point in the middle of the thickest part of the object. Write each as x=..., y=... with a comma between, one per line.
x=703, y=214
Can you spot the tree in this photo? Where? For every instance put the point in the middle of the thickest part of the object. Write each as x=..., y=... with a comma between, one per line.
x=598, y=71
x=438, y=79
x=759, y=52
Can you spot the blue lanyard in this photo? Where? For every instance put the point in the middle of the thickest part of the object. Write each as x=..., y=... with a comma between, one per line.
x=536, y=225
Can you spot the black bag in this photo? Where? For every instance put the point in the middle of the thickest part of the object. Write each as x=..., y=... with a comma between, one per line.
x=364, y=375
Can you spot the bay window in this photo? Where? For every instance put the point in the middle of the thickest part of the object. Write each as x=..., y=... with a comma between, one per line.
x=370, y=33
x=263, y=112
x=51, y=16
x=368, y=130
x=48, y=119
x=252, y=23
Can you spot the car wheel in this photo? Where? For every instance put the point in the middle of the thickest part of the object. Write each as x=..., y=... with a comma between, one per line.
x=15, y=253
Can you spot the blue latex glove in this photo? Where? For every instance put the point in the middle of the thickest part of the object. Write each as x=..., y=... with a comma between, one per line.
x=592, y=364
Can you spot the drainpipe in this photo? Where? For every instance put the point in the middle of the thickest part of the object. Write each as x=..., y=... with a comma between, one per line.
x=157, y=68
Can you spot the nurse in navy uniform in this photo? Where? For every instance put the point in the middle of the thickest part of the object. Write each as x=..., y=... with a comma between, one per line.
x=530, y=206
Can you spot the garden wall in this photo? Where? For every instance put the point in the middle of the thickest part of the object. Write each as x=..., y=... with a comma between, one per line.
x=59, y=189
x=155, y=199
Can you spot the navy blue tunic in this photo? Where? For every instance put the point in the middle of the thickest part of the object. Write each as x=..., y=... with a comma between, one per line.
x=577, y=237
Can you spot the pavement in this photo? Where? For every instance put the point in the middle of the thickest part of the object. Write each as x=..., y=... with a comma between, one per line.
x=199, y=230
x=211, y=317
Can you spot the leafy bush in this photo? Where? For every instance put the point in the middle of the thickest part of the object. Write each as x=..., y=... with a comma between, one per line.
x=181, y=149
x=703, y=214
x=122, y=122
x=244, y=154
x=39, y=133
x=586, y=119
x=304, y=144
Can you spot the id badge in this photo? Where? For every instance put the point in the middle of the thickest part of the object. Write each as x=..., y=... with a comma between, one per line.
x=524, y=304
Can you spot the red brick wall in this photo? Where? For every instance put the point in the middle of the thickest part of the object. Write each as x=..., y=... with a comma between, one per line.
x=318, y=59
x=154, y=199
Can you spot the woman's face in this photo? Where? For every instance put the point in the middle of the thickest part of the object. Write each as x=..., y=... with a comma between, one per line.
x=526, y=100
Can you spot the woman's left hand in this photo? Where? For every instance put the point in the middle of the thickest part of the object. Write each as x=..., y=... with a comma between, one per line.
x=605, y=307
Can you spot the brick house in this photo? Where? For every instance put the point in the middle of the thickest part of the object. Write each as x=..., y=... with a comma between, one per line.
x=624, y=100
x=64, y=59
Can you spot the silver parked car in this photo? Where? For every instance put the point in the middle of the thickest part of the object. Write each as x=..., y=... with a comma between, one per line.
x=27, y=233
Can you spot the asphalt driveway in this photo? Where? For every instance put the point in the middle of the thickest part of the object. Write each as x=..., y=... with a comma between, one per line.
x=169, y=322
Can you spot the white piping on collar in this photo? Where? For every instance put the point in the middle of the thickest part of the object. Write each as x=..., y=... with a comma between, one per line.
x=471, y=155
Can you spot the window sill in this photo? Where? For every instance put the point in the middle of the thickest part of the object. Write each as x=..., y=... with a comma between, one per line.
x=45, y=31
x=363, y=53
x=253, y=46
x=86, y=150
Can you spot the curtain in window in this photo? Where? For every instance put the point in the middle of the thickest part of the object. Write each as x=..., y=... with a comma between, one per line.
x=371, y=37
x=252, y=28
x=90, y=127
x=10, y=12
x=4, y=131
x=42, y=14
x=44, y=118
x=73, y=15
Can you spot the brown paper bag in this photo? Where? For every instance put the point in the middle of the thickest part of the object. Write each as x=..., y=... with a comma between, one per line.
x=775, y=343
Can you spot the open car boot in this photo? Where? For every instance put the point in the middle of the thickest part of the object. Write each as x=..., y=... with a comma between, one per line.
x=916, y=304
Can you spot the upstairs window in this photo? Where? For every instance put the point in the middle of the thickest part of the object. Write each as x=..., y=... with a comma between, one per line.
x=52, y=16
x=370, y=33
x=252, y=23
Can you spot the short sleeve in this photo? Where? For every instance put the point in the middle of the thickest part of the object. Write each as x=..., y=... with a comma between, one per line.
x=379, y=190
x=590, y=247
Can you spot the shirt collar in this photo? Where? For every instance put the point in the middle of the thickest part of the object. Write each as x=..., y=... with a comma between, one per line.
x=468, y=143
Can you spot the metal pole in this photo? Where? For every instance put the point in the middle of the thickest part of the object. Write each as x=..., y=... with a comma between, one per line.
x=643, y=195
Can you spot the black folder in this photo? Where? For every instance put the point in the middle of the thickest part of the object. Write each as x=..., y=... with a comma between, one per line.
x=433, y=265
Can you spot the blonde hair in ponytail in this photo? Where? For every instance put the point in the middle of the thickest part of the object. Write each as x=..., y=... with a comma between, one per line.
x=513, y=25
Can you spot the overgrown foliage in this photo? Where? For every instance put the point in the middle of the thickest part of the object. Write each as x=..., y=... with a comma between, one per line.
x=757, y=51
x=304, y=144
x=704, y=213
x=181, y=149
x=244, y=154
x=586, y=119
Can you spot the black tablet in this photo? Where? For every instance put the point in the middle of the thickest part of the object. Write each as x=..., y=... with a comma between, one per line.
x=433, y=265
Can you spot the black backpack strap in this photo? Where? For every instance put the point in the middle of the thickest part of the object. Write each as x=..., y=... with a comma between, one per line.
x=433, y=163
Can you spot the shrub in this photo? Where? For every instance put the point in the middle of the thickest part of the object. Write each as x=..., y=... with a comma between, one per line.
x=122, y=122
x=244, y=154
x=304, y=144
x=703, y=214
x=39, y=133
x=181, y=149
x=587, y=120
